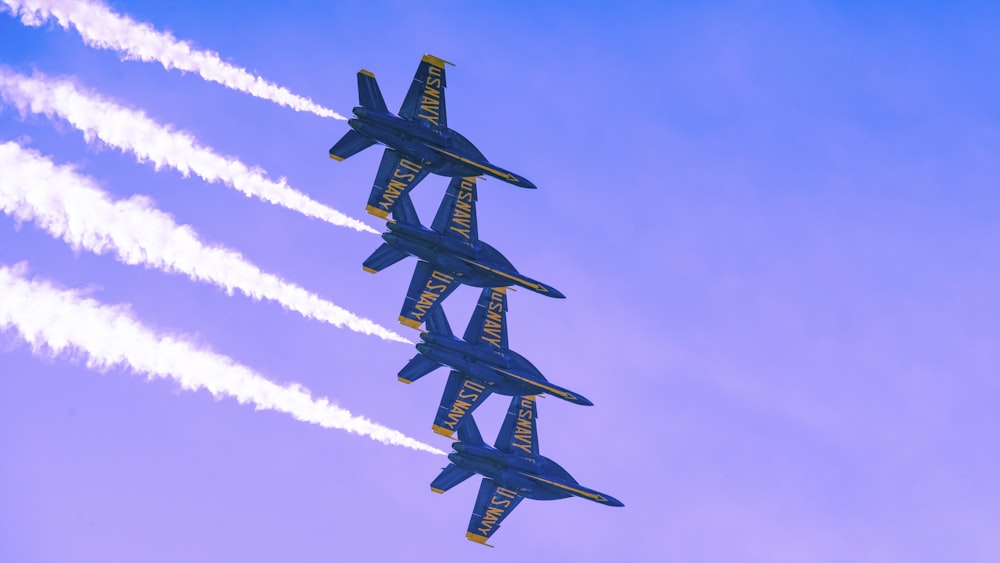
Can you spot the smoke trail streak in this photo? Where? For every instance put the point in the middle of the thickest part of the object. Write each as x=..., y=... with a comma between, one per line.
x=103, y=29
x=132, y=131
x=71, y=207
x=59, y=321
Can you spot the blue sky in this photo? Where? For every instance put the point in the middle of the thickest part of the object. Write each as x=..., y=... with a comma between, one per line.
x=775, y=226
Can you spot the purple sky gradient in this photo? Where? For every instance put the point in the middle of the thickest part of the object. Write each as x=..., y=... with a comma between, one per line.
x=776, y=228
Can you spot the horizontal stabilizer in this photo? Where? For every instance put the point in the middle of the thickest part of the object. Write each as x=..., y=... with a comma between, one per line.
x=451, y=476
x=369, y=95
x=349, y=145
x=383, y=257
x=416, y=368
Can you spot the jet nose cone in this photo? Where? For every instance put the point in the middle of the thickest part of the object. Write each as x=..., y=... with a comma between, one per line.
x=612, y=501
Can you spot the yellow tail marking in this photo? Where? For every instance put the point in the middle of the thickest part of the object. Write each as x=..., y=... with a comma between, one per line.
x=431, y=59
x=442, y=431
x=407, y=321
x=369, y=270
x=367, y=73
x=337, y=158
x=380, y=213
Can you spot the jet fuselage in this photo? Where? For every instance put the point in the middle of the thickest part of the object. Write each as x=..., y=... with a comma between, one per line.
x=443, y=151
x=502, y=371
x=477, y=263
x=537, y=478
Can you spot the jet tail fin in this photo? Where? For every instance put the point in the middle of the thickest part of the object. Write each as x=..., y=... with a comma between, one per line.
x=438, y=322
x=416, y=368
x=369, y=95
x=468, y=432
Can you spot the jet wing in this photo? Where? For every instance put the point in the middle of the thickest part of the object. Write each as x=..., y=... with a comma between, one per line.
x=519, y=433
x=456, y=215
x=488, y=326
x=395, y=178
x=461, y=396
x=425, y=99
x=493, y=504
x=428, y=288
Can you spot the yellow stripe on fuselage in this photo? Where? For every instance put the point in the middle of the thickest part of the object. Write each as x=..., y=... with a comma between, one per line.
x=498, y=173
x=549, y=388
x=537, y=287
x=585, y=494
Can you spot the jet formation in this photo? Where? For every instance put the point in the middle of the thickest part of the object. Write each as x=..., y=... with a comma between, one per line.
x=419, y=142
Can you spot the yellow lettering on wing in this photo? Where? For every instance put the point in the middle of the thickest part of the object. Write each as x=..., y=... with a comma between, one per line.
x=499, y=503
x=437, y=284
x=493, y=323
x=430, y=102
x=461, y=215
x=470, y=390
x=398, y=183
x=523, y=430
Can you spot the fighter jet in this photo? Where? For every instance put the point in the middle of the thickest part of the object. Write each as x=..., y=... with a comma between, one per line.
x=450, y=253
x=481, y=362
x=417, y=141
x=512, y=470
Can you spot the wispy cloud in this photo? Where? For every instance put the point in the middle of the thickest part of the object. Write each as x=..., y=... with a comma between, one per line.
x=71, y=206
x=58, y=321
x=132, y=131
x=103, y=29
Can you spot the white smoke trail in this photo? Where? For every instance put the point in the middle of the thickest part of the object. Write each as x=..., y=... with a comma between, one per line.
x=71, y=207
x=132, y=131
x=63, y=321
x=103, y=29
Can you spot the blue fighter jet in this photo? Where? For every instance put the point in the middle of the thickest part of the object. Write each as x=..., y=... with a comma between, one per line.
x=481, y=362
x=450, y=253
x=417, y=141
x=512, y=470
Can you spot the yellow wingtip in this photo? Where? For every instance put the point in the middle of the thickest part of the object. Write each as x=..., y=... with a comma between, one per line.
x=436, y=490
x=380, y=213
x=431, y=59
x=481, y=540
x=406, y=381
x=337, y=158
x=367, y=73
x=406, y=321
x=442, y=431
x=369, y=270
